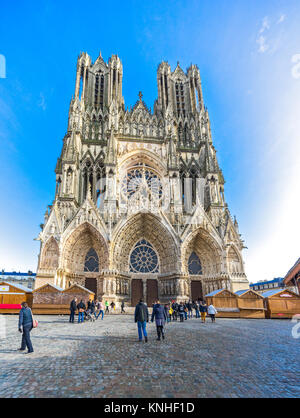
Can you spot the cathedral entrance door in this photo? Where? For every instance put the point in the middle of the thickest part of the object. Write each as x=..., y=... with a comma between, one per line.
x=136, y=291
x=196, y=290
x=91, y=284
x=152, y=291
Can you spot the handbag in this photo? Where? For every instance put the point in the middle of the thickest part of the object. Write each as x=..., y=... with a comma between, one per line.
x=35, y=323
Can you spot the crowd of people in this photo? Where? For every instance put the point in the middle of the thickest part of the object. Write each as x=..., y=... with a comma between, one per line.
x=91, y=311
x=170, y=312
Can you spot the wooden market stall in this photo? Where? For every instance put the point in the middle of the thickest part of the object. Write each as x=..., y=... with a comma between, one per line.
x=47, y=300
x=11, y=297
x=281, y=303
x=225, y=302
x=52, y=300
x=79, y=292
x=250, y=304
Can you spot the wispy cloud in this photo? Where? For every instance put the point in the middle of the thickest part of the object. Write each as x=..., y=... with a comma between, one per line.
x=261, y=40
x=268, y=38
x=42, y=102
x=281, y=18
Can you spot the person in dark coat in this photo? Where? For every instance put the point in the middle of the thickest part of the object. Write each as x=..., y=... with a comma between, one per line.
x=122, y=306
x=92, y=307
x=196, y=307
x=73, y=308
x=141, y=317
x=25, y=326
x=181, y=311
x=81, y=308
x=190, y=310
x=175, y=311
x=160, y=316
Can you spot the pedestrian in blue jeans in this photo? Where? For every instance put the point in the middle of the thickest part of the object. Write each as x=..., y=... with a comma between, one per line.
x=25, y=326
x=141, y=317
x=100, y=309
x=81, y=308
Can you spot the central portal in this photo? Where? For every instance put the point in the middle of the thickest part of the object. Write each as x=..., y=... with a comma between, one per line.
x=136, y=291
x=152, y=291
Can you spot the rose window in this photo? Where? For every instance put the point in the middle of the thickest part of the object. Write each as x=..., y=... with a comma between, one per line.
x=142, y=181
x=143, y=258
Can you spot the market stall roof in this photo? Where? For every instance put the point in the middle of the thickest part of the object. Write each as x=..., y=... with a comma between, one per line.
x=215, y=292
x=292, y=272
x=18, y=286
x=49, y=284
x=245, y=291
x=273, y=292
x=80, y=287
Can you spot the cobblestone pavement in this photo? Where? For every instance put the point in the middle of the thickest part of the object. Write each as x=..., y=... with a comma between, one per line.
x=231, y=358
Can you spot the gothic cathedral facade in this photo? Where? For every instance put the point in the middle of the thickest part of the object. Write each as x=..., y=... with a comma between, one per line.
x=139, y=208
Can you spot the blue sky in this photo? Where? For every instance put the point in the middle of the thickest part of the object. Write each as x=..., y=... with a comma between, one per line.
x=248, y=53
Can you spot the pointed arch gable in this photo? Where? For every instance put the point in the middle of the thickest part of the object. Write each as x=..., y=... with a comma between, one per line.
x=151, y=228
x=77, y=245
x=50, y=255
x=206, y=248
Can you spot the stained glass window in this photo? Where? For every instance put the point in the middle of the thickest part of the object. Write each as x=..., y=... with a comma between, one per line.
x=91, y=261
x=195, y=266
x=143, y=258
x=143, y=180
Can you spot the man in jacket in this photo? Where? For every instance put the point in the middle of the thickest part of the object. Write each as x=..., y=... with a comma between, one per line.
x=160, y=316
x=25, y=326
x=175, y=311
x=73, y=307
x=141, y=317
x=181, y=311
x=81, y=308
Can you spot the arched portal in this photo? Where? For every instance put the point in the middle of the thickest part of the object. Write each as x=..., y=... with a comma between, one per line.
x=205, y=248
x=85, y=249
x=147, y=227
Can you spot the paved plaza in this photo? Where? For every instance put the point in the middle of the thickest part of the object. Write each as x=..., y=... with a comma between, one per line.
x=231, y=358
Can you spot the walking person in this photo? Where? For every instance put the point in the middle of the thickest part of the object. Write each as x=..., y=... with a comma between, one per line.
x=113, y=306
x=122, y=306
x=159, y=314
x=81, y=308
x=141, y=317
x=73, y=308
x=203, y=310
x=106, y=306
x=175, y=310
x=196, y=307
x=181, y=311
x=100, y=308
x=185, y=311
x=25, y=326
x=190, y=309
x=211, y=310
x=92, y=307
